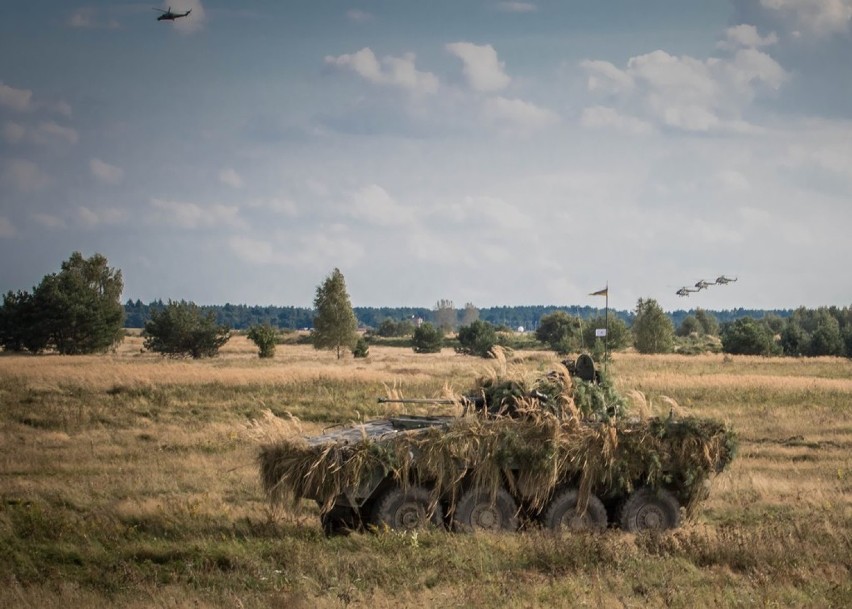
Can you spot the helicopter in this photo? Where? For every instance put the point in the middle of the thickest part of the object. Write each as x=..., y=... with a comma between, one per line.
x=685, y=291
x=703, y=285
x=169, y=15
x=722, y=280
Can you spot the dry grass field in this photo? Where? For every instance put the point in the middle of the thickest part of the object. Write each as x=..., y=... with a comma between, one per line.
x=130, y=480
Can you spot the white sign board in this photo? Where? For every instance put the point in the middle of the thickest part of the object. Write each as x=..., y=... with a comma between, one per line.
x=600, y=332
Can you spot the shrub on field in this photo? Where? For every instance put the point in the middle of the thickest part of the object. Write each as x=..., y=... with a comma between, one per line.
x=748, y=336
x=427, y=339
x=265, y=337
x=361, y=348
x=478, y=338
x=181, y=330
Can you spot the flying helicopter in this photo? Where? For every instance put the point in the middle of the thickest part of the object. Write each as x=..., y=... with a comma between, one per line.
x=169, y=15
x=703, y=285
x=722, y=280
x=685, y=291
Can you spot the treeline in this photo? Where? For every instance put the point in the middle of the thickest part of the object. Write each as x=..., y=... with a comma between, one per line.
x=528, y=317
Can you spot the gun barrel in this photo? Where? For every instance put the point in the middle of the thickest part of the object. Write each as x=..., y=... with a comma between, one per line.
x=415, y=401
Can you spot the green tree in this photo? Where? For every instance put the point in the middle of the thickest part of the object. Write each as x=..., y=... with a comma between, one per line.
x=390, y=328
x=748, y=336
x=182, y=330
x=826, y=338
x=560, y=331
x=689, y=325
x=709, y=323
x=478, y=338
x=427, y=339
x=470, y=314
x=618, y=334
x=653, y=331
x=264, y=337
x=335, y=326
x=446, y=317
x=77, y=310
x=21, y=326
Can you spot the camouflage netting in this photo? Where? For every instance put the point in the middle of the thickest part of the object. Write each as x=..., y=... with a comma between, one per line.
x=544, y=442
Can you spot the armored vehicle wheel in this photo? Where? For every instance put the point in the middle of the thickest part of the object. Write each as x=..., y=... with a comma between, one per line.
x=340, y=520
x=561, y=513
x=476, y=512
x=647, y=509
x=407, y=509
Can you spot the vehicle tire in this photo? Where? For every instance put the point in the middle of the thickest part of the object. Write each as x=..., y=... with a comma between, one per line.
x=561, y=513
x=407, y=509
x=340, y=520
x=475, y=511
x=647, y=509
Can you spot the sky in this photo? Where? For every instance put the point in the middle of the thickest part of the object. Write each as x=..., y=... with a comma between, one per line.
x=478, y=151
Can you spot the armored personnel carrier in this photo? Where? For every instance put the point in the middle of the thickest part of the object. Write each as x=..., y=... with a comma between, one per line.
x=517, y=456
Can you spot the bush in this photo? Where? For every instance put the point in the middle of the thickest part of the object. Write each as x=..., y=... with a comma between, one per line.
x=264, y=337
x=361, y=348
x=477, y=339
x=427, y=339
x=391, y=329
x=560, y=331
x=747, y=336
x=181, y=330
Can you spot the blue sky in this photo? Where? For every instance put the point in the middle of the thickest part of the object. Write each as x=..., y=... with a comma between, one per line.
x=480, y=151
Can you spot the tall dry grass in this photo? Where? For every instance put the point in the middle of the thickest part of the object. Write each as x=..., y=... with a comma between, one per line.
x=129, y=480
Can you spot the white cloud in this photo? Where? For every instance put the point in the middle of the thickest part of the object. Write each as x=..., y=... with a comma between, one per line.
x=516, y=115
x=87, y=18
x=16, y=99
x=373, y=204
x=396, y=71
x=482, y=211
x=320, y=250
x=91, y=218
x=597, y=117
x=277, y=205
x=13, y=132
x=25, y=176
x=253, y=251
x=685, y=92
x=517, y=7
x=63, y=108
x=484, y=72
x=49, y=221
x=49, y=132
x=358, y=16
x=193, y=216
x=820, y=17
x=7, y=229
x=605, y=77
x=106, y=173
x=745, y=36
x=230, y=177
x=733, y=181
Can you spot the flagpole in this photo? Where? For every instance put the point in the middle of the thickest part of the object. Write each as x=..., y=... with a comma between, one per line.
x=606, y=325
x=604, y=292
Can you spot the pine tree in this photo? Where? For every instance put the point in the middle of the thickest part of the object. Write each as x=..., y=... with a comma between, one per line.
x=335, y=326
